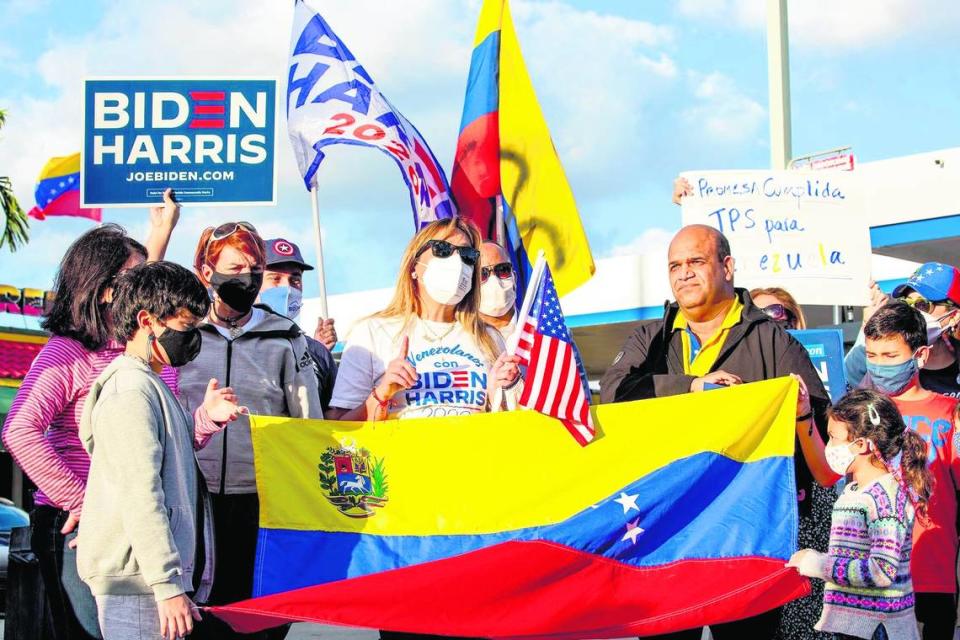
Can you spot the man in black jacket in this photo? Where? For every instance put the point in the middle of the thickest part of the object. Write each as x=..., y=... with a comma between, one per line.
x=711, y=336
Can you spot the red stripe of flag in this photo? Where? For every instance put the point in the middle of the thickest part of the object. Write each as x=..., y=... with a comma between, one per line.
x=573, y=380
x=563, y=385
x=576, y=433
x=531, y=385
x=428, y=162
x=546, y=378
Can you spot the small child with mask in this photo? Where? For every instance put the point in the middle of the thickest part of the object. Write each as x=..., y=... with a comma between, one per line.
x=143, y=510
x=896, y=350
x=869, y=593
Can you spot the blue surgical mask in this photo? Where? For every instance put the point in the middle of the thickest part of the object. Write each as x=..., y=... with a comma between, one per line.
x=891, y=379
x=284, y=300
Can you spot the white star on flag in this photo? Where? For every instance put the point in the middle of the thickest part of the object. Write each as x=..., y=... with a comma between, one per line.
x=929, y=272
x=628, y=501
x=633, y=531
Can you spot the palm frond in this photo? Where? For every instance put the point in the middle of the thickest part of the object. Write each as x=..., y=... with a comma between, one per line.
x=16, y=225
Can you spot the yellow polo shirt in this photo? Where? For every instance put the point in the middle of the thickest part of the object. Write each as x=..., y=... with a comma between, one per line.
x=698, y=359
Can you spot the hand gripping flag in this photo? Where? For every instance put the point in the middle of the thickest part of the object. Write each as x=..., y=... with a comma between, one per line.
x=555, y=383
x=331, y=99
x=681, y=513
x=505, y=155
x=58, y=190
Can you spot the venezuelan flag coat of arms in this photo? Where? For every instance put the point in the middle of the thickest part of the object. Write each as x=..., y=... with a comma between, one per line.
x=353, y=482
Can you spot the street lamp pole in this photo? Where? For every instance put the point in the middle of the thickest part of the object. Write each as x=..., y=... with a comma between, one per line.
x=778, y=71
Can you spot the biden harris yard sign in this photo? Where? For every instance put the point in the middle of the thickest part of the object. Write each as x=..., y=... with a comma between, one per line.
x=211, y=140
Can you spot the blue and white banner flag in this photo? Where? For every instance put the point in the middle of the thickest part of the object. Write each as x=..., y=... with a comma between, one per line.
x=331, y=99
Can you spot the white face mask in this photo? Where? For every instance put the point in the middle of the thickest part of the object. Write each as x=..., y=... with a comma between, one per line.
x=839, y=457
x=283, y=300
x=447, y=280
x=934, y=330
x=497, y=296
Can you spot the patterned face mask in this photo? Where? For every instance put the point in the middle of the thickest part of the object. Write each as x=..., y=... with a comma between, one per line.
x=839, y=457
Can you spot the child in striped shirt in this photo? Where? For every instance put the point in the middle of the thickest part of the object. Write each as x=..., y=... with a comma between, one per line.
x=869, y=593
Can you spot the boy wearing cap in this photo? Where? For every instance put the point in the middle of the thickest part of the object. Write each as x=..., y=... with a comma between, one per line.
x=934, y=290
x=282, y=291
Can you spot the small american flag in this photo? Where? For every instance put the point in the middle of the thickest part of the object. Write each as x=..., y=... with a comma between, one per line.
x=555, y=381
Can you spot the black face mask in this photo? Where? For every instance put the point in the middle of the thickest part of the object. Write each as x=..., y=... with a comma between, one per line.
x=237, y=290
x=181, y=346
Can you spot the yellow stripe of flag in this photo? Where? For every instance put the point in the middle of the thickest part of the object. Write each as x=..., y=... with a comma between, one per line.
x=532, y=178
x=499, y=472
x=60, y=166
x=489, y=20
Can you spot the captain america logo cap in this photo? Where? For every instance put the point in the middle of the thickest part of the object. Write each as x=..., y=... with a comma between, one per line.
x=282, y=251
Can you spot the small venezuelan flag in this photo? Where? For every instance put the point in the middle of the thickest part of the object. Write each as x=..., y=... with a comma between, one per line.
x=58, y=190
x=501, y=526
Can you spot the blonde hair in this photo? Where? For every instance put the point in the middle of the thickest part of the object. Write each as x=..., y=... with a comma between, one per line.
x=405, y=303
x=786, y=300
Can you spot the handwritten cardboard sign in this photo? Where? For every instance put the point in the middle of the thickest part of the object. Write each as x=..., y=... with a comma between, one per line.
x=805, y=231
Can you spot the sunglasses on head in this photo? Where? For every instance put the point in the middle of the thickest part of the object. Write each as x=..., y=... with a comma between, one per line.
x=926, y=306
x=502, y=270
x=778, y=313
x=226, y=230
x=443, y=249
x=229, y=228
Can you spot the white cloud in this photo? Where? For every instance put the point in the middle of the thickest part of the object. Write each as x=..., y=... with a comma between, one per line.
x=722, y=112
x=595, y=77
x=846, y=25
x=654, y=240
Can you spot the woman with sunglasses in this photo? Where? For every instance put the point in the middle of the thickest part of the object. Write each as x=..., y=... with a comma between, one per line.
x=263, y=357
x=401, y=362
x=779, y=306
x=498, y=289
x=41, y=430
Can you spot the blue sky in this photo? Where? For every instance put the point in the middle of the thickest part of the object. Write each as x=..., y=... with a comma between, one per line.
x=634, y=92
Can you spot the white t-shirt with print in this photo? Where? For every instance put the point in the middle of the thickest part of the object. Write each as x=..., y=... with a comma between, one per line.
x=453, y=371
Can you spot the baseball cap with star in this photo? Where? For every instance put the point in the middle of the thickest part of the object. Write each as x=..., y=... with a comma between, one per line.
x=935, y=281
x=281, y=251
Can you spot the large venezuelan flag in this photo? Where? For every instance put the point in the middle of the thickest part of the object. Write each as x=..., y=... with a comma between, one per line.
x=505, y=149
x=681, y=513
x=58, y=190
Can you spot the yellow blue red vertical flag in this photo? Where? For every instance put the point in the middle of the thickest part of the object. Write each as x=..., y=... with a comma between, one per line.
x=505, y=153
x=58, y=190
x=499, y=525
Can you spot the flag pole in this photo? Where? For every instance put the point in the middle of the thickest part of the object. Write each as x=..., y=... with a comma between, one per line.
x=321, y=278
x=535, y=275
x=501, y=232
x=514, y=340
